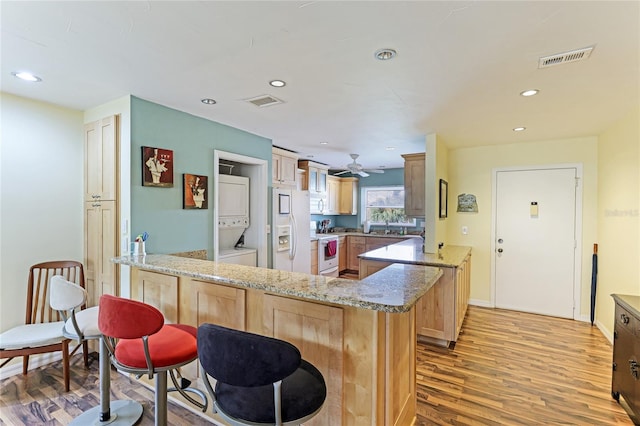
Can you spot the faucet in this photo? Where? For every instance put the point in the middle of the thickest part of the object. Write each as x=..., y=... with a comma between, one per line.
x=386, y=227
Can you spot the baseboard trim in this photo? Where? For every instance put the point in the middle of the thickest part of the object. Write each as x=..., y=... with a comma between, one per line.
x=481, y=303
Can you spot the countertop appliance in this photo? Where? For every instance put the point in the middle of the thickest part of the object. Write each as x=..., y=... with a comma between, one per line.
x=233, y=220
x=290, y=235
x=328, y=255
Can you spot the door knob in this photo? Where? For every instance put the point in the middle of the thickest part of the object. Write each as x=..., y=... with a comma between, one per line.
x=500, y=250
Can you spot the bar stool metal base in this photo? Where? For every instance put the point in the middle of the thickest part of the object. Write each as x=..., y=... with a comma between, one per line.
x=123, y=413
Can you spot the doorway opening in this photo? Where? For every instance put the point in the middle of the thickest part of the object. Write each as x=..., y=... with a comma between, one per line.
x=256, y=169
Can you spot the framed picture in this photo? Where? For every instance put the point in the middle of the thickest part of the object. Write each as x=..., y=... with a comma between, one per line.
x=195, y=192
x=157, y=167
x=283, y=204
x=444, y=204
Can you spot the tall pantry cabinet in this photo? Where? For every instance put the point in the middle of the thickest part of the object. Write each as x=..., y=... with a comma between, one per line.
x=101, y=207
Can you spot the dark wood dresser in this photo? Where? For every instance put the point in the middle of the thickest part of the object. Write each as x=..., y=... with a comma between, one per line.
x=625, y=379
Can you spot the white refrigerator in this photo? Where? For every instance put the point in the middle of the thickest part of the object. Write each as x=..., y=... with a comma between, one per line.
x=290, y=230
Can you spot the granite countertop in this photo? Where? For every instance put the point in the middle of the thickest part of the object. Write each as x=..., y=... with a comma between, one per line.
x=394, y=289
x=410, y=252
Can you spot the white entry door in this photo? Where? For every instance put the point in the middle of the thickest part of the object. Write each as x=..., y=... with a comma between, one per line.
x=535, y=241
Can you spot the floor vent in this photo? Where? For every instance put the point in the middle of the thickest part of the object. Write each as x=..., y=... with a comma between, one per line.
x=566, y=57
x=264, y=101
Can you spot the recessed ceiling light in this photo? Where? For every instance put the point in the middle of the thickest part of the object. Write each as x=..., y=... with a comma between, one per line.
x=26, y=76
x=277, y=83
x=385, y=54
x=324, y=143
x=390, y=148
x=208, y=101
x=518, y=129
x=529, y=92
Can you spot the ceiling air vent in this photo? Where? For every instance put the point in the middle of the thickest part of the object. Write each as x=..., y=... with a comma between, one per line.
x=563, y=58
x=264, y=101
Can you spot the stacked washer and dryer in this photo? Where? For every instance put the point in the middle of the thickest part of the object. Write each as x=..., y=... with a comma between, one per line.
x=233, y=220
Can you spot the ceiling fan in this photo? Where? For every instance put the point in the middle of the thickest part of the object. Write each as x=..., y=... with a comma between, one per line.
x=357, y=169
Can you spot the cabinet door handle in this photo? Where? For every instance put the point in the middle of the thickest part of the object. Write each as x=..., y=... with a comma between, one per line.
x=624, y=318
x=633, y=366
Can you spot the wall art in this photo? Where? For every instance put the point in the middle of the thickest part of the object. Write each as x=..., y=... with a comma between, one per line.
x=195, y=192
x=157, y=167
x=467, y=203
x=444, y=203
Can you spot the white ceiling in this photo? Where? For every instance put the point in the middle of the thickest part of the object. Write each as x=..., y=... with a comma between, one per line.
x=458, y=73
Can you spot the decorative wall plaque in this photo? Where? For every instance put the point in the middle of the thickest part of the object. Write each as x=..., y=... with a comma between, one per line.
x=467, y=203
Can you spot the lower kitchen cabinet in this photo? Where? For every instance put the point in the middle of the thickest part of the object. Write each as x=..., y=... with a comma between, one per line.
x=355, y=246
x=317, y=330
x=157, y=290
x=342, y=253
x=625, y=377
x=369, y=380
x=441, y=311
x=314, y=257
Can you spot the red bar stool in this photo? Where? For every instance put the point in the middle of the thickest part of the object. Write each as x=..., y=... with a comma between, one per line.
x=81, y=325
x=139, y=342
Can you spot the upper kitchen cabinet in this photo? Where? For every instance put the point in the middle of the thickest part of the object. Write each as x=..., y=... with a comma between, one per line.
x=348, y=203
x=315, y=181
x=100, y=165
x=316, y=177
x=414, y=184
x=284, y=166
x=333, y=195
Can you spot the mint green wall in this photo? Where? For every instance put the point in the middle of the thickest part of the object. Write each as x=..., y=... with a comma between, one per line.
x=193, y=139
x=389, y=177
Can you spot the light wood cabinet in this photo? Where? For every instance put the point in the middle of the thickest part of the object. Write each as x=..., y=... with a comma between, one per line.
x=315, y=181
x=366, y=357
x=316, y=176
x=317, y=331
x=333, y=195
x=100, y=219
x=441, y=311
x=355, y=246
x=100, y=164
x=372, y=243
x=348, y=203
x=284, y=167
x=358, y=245
x=158, y=290
x=314, y=257
x=342, y=253
x=414, y=184
x=101, y=229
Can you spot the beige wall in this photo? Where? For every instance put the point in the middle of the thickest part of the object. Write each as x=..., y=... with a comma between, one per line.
x=470, y=171
x=42, y=187
x=436, y=168
x=618, y=215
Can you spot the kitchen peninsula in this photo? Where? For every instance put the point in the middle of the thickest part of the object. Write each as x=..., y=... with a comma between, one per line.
x=360, y=334
x=440, y=312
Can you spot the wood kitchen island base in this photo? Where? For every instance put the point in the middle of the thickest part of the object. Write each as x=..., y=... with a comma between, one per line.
x=440, y=312
x=365, y=350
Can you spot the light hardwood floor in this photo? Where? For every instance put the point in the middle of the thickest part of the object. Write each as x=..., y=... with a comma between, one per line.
x=507, y=368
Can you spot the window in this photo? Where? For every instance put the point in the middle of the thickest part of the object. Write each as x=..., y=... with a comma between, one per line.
x=382, y=204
